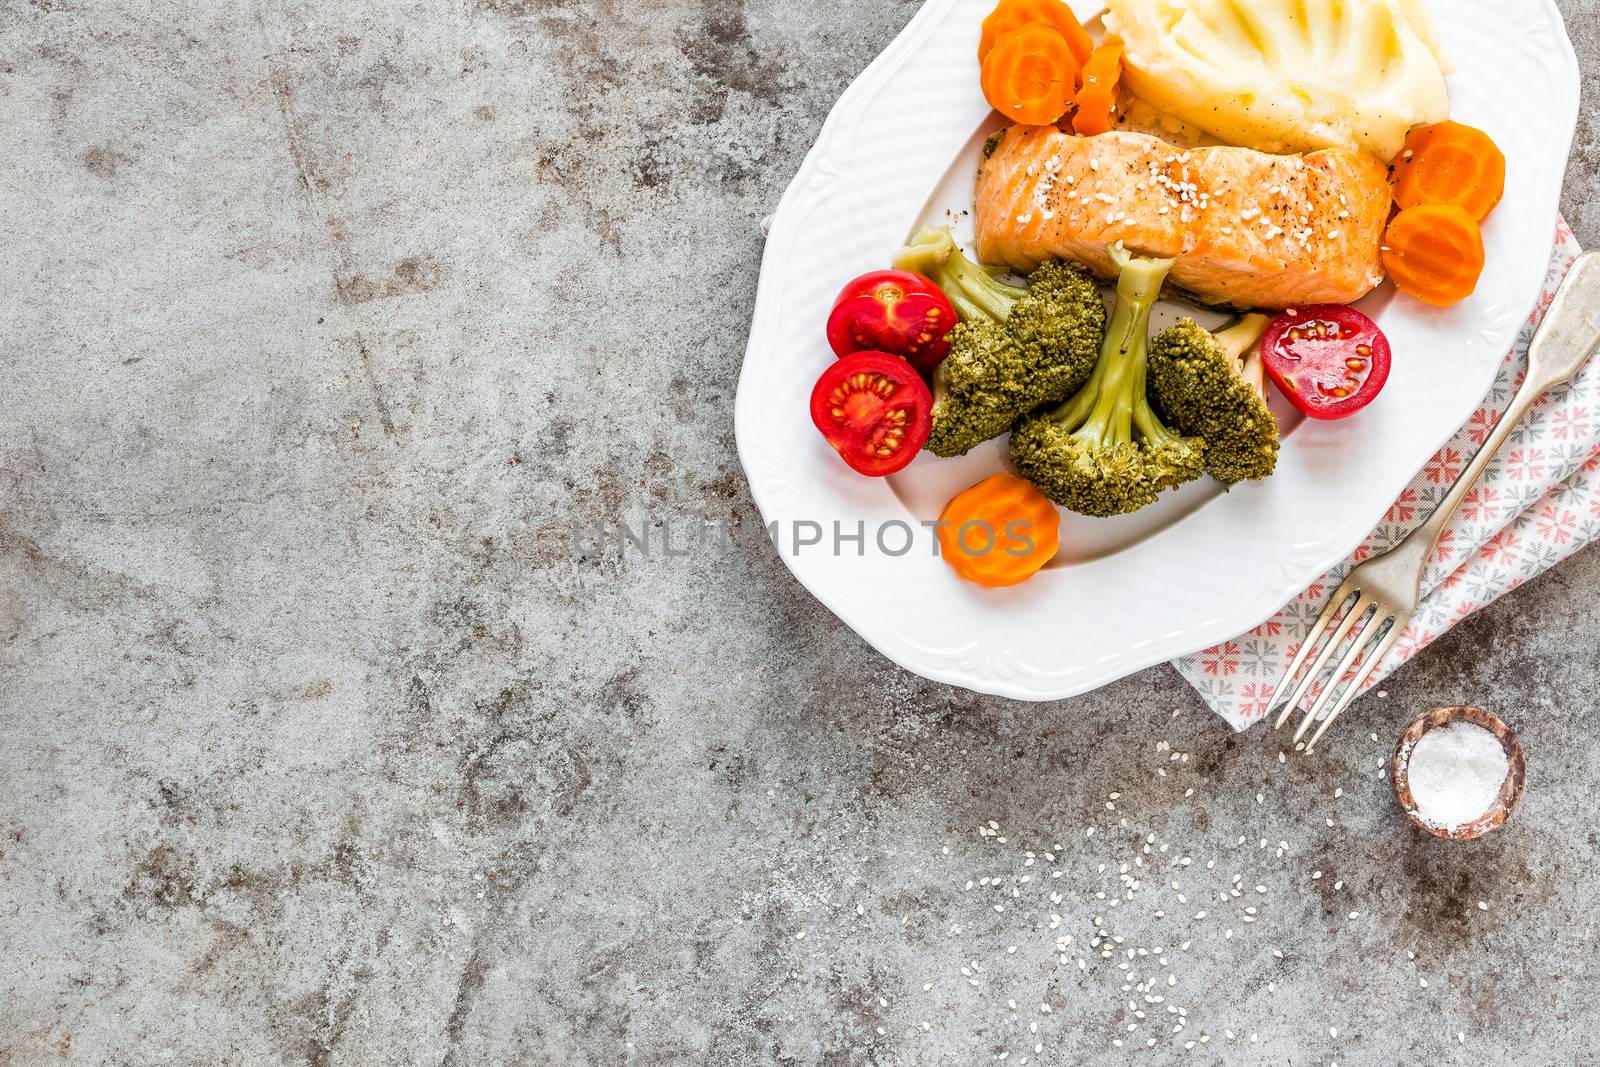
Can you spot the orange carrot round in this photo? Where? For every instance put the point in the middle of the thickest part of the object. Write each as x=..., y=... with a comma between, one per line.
x=1030, y=74
x=1450, y=164
x=1014, y=14
x=1097, y=100
x=1434, y=252
x=999, y=532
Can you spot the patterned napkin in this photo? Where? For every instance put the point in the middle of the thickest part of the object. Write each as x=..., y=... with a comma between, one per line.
x=1537, y=503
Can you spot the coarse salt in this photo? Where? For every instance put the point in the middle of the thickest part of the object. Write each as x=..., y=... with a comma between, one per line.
x=1455, y=772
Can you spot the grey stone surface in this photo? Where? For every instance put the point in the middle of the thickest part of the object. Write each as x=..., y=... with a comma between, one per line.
x=321, y=746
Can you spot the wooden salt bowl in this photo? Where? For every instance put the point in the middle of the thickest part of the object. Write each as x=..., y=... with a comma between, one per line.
x=1510, y=790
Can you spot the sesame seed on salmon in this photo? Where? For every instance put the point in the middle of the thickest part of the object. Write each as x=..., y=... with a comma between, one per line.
x=1248, y=229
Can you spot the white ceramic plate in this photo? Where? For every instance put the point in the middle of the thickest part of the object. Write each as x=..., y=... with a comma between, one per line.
x=899, y=150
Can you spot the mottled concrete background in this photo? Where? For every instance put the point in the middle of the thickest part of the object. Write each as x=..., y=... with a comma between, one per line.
x=320, y=321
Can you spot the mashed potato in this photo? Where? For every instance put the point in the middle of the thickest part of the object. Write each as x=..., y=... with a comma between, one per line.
x=1287, y=75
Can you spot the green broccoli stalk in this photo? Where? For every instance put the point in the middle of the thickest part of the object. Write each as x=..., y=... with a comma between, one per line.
x=978, y=296
x=1252, y=368
x=1213, y=386
x=1015, y=348
x=1105, y=451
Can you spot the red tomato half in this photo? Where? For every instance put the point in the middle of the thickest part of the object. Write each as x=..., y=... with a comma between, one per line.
x=1328, y=359
x=874, y=411
x=893, y=311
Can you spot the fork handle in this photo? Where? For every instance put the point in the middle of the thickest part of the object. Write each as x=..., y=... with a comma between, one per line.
x=1565, y=340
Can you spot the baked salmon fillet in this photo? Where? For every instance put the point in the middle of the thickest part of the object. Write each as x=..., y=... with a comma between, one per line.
x=1248, y=229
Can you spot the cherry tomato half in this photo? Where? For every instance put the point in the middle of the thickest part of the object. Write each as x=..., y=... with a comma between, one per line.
x=893, y=311
x=874, y=411
x=1328, y=359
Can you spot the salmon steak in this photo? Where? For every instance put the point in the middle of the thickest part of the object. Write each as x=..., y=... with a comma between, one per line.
x=1248, y=229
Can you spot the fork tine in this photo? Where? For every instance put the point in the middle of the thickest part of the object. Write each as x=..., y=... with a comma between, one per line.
x=1371, y=664
x=1360, y=639
x=1357, y=609
x=1340, y=598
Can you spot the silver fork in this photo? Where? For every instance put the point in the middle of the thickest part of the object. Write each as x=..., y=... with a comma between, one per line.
x=1376, y=601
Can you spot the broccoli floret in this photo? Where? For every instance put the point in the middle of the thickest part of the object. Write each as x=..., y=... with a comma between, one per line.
x=1213, y=386
x=1105, y=452
x=976, y=389
x=1015, y=348
x=1064, y=319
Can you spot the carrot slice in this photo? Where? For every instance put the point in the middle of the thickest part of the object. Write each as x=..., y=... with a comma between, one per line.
x=1029, y=75
x=1450, y=164
x=999, y=532
x=1097, y=100
x=1014, y=14
x=1434, y=252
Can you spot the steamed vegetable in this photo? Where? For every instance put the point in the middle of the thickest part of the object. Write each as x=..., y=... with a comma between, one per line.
x=873, y=410
x=1015, y=349
x=1434, y=252
x=1329, y=360
x=1030, y=74
x=1009, y=15
x=1213, y=386
x=1450, y=163
x=1105, y=452
x=893, y=311
x=999, y=532
x=1096, y=102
